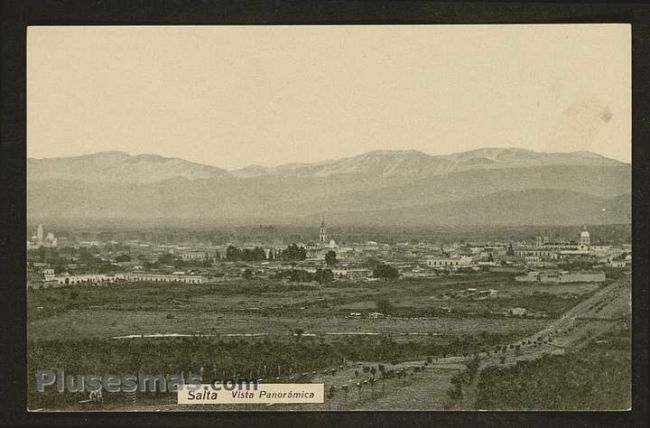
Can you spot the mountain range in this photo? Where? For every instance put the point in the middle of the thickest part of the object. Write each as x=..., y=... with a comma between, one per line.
x=118, y=167
x=415, y=164
x=485, y=186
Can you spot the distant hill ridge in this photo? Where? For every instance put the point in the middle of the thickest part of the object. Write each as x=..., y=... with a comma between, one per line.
x=413, y=163
x=115, y=166
x=118, y=167
x=486, y=186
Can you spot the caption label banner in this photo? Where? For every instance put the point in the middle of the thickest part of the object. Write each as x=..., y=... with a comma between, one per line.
x=272, y=393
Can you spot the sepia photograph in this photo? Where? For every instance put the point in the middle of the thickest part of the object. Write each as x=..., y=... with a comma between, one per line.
x=329, y=218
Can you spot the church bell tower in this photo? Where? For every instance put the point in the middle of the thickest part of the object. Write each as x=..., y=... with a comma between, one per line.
x=322, y=238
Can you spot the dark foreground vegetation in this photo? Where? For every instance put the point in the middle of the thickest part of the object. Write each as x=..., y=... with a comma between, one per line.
x=280, y=360
x=594, y=378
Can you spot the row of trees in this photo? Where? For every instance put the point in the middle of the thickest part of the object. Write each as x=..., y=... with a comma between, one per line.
x=270, y=360
x=292, y=253
x=90, y=257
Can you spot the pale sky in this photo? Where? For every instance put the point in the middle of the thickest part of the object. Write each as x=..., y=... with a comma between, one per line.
x=232, y=96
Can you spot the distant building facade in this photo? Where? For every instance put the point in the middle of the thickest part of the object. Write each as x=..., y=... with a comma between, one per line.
x=448, y=262
x=166, y=277
x=39, y=239
x=546, y=250
x=195, y=256
x=130, y=276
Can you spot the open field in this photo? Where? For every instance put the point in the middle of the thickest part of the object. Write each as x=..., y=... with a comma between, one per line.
x=108, y=324
x=276, y=308
x=243, y=328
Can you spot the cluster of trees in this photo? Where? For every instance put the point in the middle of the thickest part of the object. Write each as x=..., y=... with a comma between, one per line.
x=330, y=258
x=235, y=254
x=455, y=393
x=298, y=275
x=382, y=270
x=293, y=253
x=169, y=259
x=574, y=381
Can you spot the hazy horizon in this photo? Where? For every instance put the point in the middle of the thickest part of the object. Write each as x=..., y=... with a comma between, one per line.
x=235, y=96
x=315, y=162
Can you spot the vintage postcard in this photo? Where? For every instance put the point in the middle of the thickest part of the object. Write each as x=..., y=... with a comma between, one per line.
x=323, y=218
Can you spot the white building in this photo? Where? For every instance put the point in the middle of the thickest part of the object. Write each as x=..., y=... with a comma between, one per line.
x=585, y=240
x=448, y=262
x=352, y=274
x=88, y=278
x=195, y=256
x=131, y=276
x=164, y=277
x=618, y=264
x=48, y=274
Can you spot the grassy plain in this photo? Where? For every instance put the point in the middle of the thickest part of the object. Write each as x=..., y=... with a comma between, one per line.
x=246, y=327
x=277, y=308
